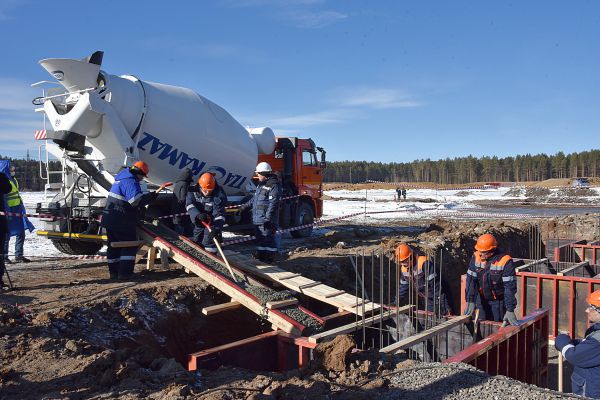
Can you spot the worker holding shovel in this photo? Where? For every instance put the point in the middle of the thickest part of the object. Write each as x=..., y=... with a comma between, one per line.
x=206, y=207
x=121, y=215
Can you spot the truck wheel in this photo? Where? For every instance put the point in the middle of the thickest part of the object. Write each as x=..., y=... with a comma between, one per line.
x=304, y=215
x=76, y=247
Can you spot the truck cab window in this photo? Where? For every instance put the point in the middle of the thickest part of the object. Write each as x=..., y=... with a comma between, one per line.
x=309, y=159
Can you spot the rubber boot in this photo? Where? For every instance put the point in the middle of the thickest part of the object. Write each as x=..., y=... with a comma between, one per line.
x=125, y=272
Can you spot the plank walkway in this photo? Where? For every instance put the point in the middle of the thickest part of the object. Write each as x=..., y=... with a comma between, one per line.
x=301, y=284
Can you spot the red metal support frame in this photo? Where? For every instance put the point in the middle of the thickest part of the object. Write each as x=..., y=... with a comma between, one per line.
x=519, y=352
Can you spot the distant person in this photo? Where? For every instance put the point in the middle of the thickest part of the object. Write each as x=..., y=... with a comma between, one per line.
x=265, y=212
x=491, y=283
x=5, y=188
x=417, y=274
x=180, y=190
x=121, y=215
x=398, y=194
x=584, y=354
x=16, y=225
x=206, y=205
x=403, y=194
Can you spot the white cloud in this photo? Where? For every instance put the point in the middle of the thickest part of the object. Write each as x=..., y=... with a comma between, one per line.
x=16, y=94
x=6, y=6
x=315, y=19
x=378, y=98
x=301, y=13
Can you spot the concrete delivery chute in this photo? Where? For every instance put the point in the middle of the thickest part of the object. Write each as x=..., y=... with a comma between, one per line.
x=102, y=123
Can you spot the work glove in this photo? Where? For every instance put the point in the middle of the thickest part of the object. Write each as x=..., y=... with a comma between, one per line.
x=561, y=341
x=470, y=308
x=511, y=318
x=202, y=217
x=268, y=226
x=215, y=234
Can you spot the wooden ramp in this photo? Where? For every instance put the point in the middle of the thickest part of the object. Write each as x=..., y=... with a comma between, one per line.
x=296, y=282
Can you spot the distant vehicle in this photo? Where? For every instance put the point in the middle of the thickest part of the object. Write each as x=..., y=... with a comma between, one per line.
x=581, y=183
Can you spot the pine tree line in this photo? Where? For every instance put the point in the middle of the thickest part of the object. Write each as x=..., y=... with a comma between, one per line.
x=470, y=169
x=28, y=173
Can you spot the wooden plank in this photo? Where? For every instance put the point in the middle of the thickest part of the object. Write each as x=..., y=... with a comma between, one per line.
x=309, y=285
x=427, y=334
x=283, y=278
x=151, y=258
x=335, y=294
x=271, y=305
x=127, y=243
x=356, y=325
x=321, y=292
x=225, y=286
x=217, y=308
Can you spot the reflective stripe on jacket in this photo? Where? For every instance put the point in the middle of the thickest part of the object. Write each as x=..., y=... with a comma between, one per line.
x=123, y=200
x=265, y=202
x=493, y=279
x=214, y=205
x=417, y=277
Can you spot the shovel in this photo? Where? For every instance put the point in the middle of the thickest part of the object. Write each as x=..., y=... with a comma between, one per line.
x=207, y=226
x=164, y=185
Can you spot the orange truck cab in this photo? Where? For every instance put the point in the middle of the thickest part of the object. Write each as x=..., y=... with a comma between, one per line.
x=299, y=163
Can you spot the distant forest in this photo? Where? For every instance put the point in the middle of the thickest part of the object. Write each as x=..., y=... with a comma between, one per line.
x=470, y=169
x=28, y=173
x=448, y=171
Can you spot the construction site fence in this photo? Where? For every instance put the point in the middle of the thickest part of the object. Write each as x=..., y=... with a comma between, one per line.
x=519, y=352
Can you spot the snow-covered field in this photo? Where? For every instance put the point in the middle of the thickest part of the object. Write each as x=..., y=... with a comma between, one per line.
x=345, y=202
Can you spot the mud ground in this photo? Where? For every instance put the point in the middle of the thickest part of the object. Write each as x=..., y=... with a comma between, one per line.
x=68, y=332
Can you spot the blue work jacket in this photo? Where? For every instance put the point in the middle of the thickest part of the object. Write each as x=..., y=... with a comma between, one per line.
x=124, y=200
x=493, y=279
x=584, y=355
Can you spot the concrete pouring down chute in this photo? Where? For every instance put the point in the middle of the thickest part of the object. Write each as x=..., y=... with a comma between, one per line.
x=281, y=308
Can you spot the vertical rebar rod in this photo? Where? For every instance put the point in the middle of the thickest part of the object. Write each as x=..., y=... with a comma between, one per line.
x=363, y=299
x=381, y=296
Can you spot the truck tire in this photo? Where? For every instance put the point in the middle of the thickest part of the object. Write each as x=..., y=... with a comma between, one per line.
x=304, y=215
x=76, y=247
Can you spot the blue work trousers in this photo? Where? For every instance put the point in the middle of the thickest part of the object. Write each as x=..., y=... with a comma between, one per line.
x=19, y=242
x=492, y=310
x=201, y=237
x=121, y=260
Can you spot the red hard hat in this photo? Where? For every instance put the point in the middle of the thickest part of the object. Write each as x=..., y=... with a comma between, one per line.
x=142, y=167
x=403, y=252
x=486, y=242
x=207, y=181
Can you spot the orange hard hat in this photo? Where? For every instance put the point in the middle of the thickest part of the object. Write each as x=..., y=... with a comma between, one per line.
x=403, y=252
x=594, y=298
x=207, y=181
x=142, y=167
x=486, y=242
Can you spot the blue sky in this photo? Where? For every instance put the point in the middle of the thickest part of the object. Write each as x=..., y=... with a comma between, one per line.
x=367, y=80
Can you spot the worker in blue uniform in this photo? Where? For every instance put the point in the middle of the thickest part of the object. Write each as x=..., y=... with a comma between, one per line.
x=265, y=212
x=206, y=208
x=491, y=283
x=17, y=225
x=417, y=274
x=584, y=354
x=121, y=214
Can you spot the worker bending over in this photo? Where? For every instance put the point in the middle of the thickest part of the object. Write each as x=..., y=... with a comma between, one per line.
x=265, y=212
x=416, y=273
x=584, y=354
x=124, y=209
x=206, y=208
x=491, y=283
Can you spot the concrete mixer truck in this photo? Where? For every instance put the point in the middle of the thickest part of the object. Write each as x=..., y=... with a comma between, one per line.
x=97, y=123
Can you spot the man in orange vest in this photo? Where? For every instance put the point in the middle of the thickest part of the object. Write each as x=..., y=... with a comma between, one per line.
x=491, y=283
x=416, y=271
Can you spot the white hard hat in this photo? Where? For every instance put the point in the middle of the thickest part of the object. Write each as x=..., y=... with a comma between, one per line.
x=263, y=167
